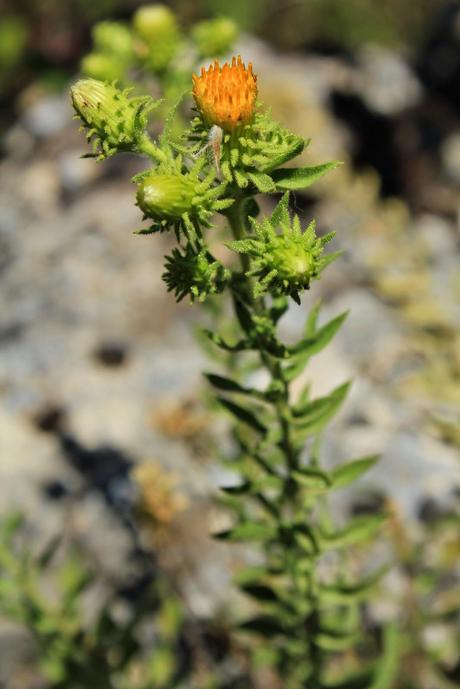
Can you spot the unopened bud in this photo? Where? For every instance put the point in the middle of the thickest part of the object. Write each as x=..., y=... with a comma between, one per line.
x=214, y=37
x=116, y=121
x=155, y=23
x=113, y=38
x=165, y=196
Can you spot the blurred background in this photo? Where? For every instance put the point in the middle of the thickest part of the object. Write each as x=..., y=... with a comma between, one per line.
x=103, y=412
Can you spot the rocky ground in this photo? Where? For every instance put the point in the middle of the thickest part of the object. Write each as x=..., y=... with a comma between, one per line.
x=99, y=369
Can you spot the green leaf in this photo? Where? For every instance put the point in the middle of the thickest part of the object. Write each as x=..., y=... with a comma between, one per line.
x=315, y=343
x=242, y=414
x=346, y=594
x=388, y=666
x=248, y=531
x=312, y=344
x=301, y=177
x=263, y=625
x=220, y=342
x=313, y=479
x=334, y=641
x=347, y=473
x=222, y=383
x=260, y=592
x=262, y=182
x=359, y=529
x=318, y=412
x=294, y=150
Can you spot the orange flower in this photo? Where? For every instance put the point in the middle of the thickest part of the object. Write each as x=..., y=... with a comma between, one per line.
x=226, y=96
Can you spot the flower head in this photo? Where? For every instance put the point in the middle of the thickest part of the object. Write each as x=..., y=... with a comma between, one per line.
x=175, y=198
x=115, y=121
x=197, y=274
x=226, y=96
x=285, y=262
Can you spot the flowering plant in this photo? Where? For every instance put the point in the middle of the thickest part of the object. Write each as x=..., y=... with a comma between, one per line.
x=309, y=607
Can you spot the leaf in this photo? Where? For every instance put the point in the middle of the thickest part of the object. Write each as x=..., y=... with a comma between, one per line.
x=262, y=182
x=264, y=625
x=388, y=666
x=242, y=414
x=220, y=342
x=315, y=343
x=260, y=592
x=313, y=479
x=351, y=471
x=333, y=641
x=312, y=344
x=222, y=383
x=345, y=594
x=254, y=574
x=248, y=531
x=301, y=177
x=294, y=150
x=244, y=316
x=318, y=412
x=359, y=529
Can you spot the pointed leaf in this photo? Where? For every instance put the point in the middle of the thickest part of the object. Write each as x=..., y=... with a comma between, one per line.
x=262, y=182
x=248, y=531
x=222, y=383
x=351, y=471
x=346, y=594
x=264, y=625
x=315, y=343
x=301, y=177
x=247, y=416
x=359, y=529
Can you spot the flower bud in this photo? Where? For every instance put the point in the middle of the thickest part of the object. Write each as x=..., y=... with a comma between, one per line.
x=215, y=36
x=102, y=67
x=157, y=28
x=165, y=196
x=226, y=96
x=113, y=38
x=116, y=121
x=285, y=262
x=155, y=23
x=196, y=274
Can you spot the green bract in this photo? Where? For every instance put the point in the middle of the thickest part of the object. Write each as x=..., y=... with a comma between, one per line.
x=177, y=198
x=247, y=156
x=197, y=274
x=283, y=262
x=112, y=119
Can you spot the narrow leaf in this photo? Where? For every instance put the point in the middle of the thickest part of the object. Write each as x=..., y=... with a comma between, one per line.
x=248, y=531
x=242, y=414
x=301, y=177
x=263, y=625
x=348, y=473
x=262, y=182
x=358, y=530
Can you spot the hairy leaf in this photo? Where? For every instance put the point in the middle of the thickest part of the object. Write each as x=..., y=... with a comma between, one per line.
x=301, y=177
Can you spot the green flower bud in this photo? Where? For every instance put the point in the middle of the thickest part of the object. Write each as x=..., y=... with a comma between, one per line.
x=215, y=36
x=157, y=28
x=197, y=274
x=102, y=67
x=166, y=197
x=113, y=38
x=155, y=22
x=286, y=262
x=116, y=121
x=176, y=199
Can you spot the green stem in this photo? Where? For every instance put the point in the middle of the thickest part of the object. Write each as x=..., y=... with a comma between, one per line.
x=146, y=146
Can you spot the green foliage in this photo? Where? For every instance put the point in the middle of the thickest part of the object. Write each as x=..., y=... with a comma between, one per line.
x=307, y=605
